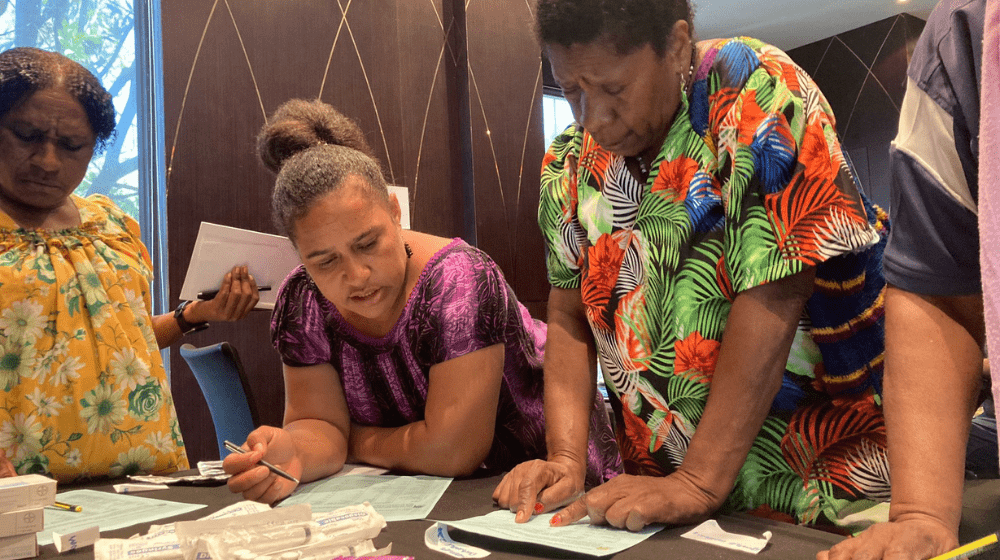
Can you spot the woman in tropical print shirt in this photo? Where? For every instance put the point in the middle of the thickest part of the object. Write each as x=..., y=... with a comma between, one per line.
x=707, y=241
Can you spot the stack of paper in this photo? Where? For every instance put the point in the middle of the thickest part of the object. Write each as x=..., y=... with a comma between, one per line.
x=22, y=499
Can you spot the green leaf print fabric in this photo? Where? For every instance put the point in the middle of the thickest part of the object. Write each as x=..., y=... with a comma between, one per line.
x=750, y=186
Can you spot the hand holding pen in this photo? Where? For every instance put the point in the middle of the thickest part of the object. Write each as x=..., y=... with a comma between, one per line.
x=274, y=445
x=232, y=447
x=237, y=295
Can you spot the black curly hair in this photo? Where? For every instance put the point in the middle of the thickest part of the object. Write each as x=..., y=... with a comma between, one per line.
x=26, y=70
x=626, y=24
x=314, y=148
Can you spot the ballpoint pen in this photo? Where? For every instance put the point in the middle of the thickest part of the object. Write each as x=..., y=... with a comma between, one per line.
x=237, y=449
x=210, y=294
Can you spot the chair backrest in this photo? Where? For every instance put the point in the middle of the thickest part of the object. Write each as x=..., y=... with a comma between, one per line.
x=220, y=374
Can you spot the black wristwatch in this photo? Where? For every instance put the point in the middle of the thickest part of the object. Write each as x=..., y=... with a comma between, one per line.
x=187, y=328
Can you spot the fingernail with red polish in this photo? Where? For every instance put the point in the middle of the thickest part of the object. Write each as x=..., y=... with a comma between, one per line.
x=555, y=520
x=539, y=508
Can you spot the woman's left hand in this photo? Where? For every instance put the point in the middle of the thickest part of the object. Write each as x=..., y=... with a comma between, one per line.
x=236, y=298
x=632, y=502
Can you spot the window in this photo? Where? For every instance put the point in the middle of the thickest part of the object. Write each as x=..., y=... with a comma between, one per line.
x=556, y=116
x=112, y=39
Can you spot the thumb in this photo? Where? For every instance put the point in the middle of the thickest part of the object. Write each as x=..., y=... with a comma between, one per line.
x=570, y=514
x=635, y=521
x=559, y=494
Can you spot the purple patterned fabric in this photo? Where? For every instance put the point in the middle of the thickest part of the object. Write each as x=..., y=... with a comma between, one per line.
x=461, y=303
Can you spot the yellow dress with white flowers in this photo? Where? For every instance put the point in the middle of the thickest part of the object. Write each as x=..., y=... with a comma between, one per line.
x=84, y=389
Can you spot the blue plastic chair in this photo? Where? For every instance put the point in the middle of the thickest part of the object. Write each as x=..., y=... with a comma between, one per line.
x=220, y=374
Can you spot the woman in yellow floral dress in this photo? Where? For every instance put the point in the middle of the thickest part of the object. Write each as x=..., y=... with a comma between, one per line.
x=84, y=389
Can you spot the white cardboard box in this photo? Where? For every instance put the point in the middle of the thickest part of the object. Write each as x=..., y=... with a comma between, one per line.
x=22, y=521
x=20, y=546
x=26, y=491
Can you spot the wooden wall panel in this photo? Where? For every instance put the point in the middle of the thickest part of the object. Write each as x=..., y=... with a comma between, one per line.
x=505, y=81
x=403, y=69
x=862, y=73
x=433, y=164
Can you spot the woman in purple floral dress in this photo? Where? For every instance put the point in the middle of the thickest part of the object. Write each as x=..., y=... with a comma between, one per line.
x=400, y=349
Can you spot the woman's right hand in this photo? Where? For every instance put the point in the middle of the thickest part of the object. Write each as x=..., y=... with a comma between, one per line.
x=255, y=481
x=539, y=486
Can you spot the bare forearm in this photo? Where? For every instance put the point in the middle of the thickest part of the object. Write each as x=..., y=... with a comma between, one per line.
x=320, y=447
x=933, y=368
x=415, y=448
x=570, y=377
x=759, y=334
x=166, y=330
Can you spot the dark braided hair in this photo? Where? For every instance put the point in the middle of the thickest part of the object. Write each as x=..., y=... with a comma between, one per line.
x=314, y=149
x=26, y=70
x=626, y=24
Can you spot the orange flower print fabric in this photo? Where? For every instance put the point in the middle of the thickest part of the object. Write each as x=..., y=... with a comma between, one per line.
x=749, y=187
x=84, y=390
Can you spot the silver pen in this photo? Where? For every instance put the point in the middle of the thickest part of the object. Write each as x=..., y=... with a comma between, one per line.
x=237, y=449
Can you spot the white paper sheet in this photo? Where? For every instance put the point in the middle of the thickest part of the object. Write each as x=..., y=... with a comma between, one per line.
x=219, y=248
x=397, y=498
x=436, y=537
x=580, y=537
x=403, y=196
x=106, y=510
x=354, y=469
x=710, y=532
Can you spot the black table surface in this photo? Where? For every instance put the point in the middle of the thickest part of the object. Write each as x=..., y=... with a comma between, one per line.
x=471, y=497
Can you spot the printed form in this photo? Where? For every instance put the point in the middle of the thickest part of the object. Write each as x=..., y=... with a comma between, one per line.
x=108, y=511
x=581, y=537
x=396, y=498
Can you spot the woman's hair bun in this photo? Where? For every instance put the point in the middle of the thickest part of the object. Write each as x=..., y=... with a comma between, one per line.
x=299, y=125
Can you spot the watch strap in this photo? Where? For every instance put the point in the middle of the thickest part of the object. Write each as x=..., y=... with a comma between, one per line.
x=185, y=326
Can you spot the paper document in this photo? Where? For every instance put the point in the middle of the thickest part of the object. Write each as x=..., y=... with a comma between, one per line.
x=106, y=510
x=436, y=537
x=403, y=196
x=580, y=537
x=219, y=248
x=354, y=469
x=710, y=532
x=397, y=498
